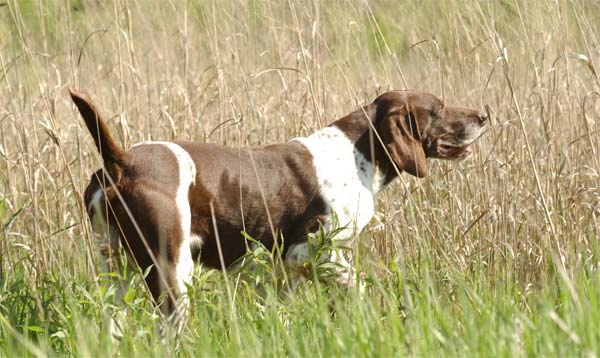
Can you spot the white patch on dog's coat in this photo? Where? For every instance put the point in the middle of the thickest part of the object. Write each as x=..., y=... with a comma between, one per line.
x=187, y=176
x=347, y=182
x=346, y=179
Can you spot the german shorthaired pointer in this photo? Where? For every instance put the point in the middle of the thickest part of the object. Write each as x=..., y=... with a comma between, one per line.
x=169, y=204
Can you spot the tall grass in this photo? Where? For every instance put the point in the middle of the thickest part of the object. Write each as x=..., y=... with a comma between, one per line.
x=496, y=255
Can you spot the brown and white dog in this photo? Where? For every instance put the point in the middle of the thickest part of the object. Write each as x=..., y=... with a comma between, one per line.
x=172, y=203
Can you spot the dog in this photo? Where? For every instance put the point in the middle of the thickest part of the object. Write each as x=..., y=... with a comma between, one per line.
x=169, y=204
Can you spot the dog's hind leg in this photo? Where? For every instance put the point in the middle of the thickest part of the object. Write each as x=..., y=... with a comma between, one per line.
x=107, y=240
x=171, y=220
x=184, y=269
x=152, y=221
x=162, y=251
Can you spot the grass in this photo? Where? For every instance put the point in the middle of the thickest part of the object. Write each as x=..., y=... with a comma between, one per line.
x=494, y=256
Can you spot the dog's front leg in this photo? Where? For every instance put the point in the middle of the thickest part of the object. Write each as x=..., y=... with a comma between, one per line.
x=345, y=274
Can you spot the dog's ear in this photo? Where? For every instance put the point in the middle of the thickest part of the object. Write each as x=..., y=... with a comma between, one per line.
x=399, y=131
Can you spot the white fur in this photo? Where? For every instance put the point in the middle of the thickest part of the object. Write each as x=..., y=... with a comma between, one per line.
x=347, y=182
x=185, y=265
x=297, y=255
x=186, y=177
x=196, y=241
x=347, y=190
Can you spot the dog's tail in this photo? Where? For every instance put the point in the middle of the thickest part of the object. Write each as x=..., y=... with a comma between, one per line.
x=111, y=153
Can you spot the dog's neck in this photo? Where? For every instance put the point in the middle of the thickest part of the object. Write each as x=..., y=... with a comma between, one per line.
x=370, y=157
x=346, y=146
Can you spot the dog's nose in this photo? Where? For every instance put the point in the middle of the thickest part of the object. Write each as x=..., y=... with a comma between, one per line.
x=483, y=116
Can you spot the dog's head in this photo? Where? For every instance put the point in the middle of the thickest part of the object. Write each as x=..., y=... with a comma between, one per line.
x=414, y=126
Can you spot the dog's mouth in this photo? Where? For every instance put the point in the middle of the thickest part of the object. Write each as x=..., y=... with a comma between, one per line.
x=453, y=152
x=452, y=148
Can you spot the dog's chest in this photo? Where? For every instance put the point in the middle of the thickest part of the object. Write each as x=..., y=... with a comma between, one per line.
x=345, y=178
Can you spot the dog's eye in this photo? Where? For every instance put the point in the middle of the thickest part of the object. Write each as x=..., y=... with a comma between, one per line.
x=434, y=113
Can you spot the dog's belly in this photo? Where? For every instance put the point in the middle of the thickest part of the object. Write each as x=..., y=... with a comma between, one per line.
x=223, y=243
x=220, y=243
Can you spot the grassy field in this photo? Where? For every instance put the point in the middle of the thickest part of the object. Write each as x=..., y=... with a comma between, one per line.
x=497, y=255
